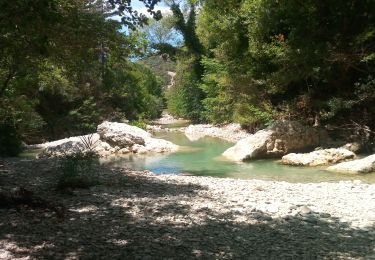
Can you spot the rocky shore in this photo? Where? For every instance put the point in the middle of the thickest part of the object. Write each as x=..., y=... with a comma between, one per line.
x=230, y=132
x=139, y=215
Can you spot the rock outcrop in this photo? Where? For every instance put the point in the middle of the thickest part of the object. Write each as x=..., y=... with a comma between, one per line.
x=68, y=146
x=319, y=157
x=230, y=132
x=280, y=138
x=365, y=165
x=122, y=135
x=112, y=138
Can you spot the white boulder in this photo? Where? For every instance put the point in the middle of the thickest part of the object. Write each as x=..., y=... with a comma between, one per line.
x=365, y=165
x=319, y=157
x=70, y=145
x=280, y=138
x=156, y=145
x=111, y=139
x=122, y=135
x=230, y=132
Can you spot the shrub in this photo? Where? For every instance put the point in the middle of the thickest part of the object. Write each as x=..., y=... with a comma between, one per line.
x=78, y=171
x=141, y=122
x=185, y=97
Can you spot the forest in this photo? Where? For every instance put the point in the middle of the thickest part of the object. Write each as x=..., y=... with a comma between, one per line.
x=65, y=65
x=257, y=61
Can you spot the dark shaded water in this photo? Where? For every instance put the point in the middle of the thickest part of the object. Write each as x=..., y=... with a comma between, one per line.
x=202, y=158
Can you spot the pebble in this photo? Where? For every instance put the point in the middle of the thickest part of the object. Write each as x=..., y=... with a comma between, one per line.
x=304, y=210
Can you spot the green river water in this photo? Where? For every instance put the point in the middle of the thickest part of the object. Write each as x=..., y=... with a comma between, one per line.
x=202, y=158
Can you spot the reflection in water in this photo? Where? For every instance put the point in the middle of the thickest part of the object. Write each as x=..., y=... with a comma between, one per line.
x=203, y=158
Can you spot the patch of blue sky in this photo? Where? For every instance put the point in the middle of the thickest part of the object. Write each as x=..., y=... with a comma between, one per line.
x=140, y=8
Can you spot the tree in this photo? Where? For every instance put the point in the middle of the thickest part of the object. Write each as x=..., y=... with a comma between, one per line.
x=185, y=98
x=52, y=66
x=270, y=59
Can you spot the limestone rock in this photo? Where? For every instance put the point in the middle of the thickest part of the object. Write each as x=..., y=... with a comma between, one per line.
x=354, y=147
x=111, y=139
x=68, y=146
x=124, y=151
x=122, y=135
x=280, y=138
x=160, y=146
x=140, y=149
x=365, y=165
x=304, y=210
x=230, y=132
x=319, y=157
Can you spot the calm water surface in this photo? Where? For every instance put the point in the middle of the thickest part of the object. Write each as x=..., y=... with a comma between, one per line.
x=202, y=158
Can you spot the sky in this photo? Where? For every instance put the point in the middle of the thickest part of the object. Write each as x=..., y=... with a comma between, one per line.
x=139, y=7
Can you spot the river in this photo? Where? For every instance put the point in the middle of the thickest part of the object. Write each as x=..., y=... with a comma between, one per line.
x=202, y=158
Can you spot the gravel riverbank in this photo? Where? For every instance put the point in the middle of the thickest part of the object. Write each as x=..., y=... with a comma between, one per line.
x=139, y=215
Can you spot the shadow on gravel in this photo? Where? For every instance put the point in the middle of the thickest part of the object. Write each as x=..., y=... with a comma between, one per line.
x=128, y=220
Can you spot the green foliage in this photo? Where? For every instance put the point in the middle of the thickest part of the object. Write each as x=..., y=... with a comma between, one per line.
x=160, y=67
x=86, y=117
x=218, y=105
x=141, y=123
x=129, y=16
x=267, y=59
x=135, y=90
x=78, y=171
x=251, y=117
x=65, y=67
x=186, y=25
x=185, y=97
x=10, y=139
x=161, y=31
x=17, y=121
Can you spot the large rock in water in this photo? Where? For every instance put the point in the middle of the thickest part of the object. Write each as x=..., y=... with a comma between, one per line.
x=111, y=139
x=316, y=158
x=365, y=165
x=122, y=135
x=133, y=138
x=280, y=138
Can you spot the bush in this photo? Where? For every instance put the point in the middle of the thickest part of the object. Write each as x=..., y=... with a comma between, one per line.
x=185, y=97
x=251, y=117
x=78, y=171
x=141, y=123
x=17, y=120
x=10, y=140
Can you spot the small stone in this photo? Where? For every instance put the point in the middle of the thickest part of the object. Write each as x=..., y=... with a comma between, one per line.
x=304, y=210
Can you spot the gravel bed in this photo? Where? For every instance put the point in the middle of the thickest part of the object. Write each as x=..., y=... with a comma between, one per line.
x=139, y=215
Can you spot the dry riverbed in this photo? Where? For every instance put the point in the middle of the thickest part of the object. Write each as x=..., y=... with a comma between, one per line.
x=139, y=215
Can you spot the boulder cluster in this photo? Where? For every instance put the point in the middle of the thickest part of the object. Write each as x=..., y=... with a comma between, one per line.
x=278, y=139
x=299, y=145
x=111, y=139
